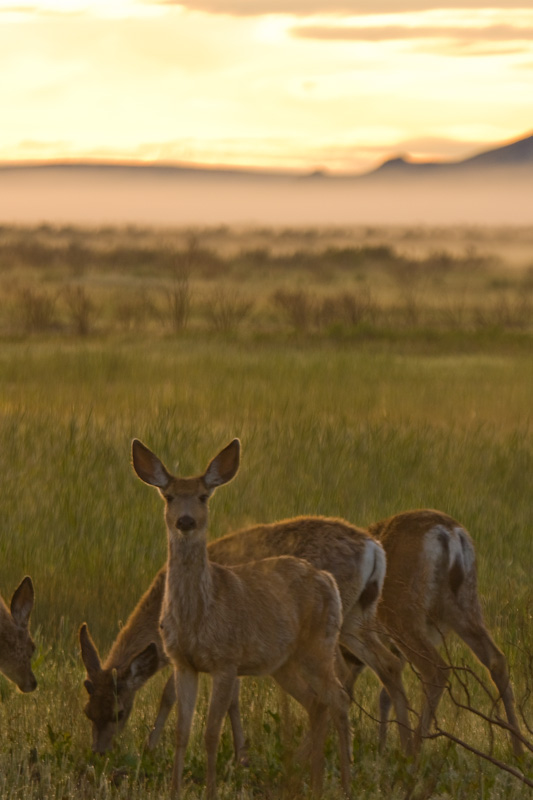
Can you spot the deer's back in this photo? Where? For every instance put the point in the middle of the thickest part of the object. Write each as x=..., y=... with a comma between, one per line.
x=431, y=569
x=327, y=543
x=262, y=613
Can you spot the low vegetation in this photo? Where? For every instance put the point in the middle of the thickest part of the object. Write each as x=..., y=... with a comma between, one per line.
x=360, y=283
x=382, y=404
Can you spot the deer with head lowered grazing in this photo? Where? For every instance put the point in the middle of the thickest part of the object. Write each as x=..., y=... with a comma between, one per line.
x=276, y=616
x=431, y=589
x=135, y=656
x=356, y=561
x=16, y=644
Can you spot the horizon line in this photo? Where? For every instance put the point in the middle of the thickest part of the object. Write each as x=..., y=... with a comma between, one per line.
x=312, y=171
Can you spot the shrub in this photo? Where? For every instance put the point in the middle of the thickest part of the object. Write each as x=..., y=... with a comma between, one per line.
x=132, y=309
x=225, y=311
x=81, y=309
x=179, y=299
x=348, y=308
x=36, y=309
x=300, y=307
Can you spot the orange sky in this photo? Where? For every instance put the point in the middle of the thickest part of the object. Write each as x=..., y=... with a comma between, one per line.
x=335, y=84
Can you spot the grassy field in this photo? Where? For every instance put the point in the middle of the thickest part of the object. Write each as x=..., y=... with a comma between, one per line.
x=352, y=283
x=400, y=409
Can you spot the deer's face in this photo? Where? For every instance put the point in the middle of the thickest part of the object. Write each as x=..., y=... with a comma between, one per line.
x=16, y=651
x=108, y=707
x=112, y=691
x=186, y=506
x=16, y=644
x=186, y=498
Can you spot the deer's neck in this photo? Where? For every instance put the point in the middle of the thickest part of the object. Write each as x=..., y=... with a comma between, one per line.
x=141, y=628
x=189, y=578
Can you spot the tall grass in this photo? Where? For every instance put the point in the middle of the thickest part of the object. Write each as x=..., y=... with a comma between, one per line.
x=358, y=429
x=325, y=431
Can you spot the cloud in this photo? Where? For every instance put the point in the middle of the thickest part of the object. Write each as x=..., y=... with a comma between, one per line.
x=304, y=8
x=388, y=33
x=42, y=9
x=18, y=9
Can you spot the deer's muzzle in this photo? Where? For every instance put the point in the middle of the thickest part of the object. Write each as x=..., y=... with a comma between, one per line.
x=186, y=523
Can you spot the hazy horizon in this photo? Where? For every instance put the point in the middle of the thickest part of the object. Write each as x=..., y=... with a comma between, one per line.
x=93, y=197
x=273, y=169
x=273, y=86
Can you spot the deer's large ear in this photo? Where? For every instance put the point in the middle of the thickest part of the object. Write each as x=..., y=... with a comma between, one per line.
x=22, y=601
x=148, y=466
x=142, y=667
x=224, y=466
x=89, y=654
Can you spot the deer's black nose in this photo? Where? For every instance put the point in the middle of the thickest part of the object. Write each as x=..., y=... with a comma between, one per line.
x=185, y=523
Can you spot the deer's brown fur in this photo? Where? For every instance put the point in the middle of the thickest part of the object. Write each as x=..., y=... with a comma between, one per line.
x=277, y=616
x=356, y=563
x=135, y=656
x=16, y=644
x=442, y=590
x=431, y=589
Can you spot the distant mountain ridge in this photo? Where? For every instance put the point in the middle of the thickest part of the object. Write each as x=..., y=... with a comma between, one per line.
x=516, y=154
x=493, y=187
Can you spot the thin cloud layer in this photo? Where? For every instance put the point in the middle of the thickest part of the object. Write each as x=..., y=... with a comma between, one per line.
x=149, y=80
x=305, y=8
x=387, y=33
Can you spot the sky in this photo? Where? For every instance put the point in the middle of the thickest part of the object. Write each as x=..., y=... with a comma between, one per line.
x=296, y=85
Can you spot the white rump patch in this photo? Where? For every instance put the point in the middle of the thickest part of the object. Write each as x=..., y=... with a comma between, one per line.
x=374, y=564
x=467, y=548
x=460, y=548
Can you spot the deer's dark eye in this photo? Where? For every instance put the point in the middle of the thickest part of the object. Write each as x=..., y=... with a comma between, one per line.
x=168, y=497
x=204, y=498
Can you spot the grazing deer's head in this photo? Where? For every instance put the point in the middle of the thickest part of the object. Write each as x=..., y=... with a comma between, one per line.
x=16, y=644
x=111, y=692
x=186, y=511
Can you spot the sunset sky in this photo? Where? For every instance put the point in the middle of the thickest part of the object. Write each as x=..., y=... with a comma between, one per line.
x=287, y=84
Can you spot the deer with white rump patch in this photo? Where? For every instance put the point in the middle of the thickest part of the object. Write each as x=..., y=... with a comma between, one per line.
x=356, y=561
x=16, y=644
x=277, y=616
x=430, y=589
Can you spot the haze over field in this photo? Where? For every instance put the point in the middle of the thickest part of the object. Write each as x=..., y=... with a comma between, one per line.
x=483, y=190
x=266, y=86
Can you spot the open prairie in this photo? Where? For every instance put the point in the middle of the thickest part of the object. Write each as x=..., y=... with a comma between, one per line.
x=366, y=372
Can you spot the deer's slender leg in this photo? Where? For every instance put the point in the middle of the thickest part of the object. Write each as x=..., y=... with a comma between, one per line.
x=222, y=693
x=168, y=698
x=186, y=692
x=239, y=739
x=368, y=647
x=480, y=641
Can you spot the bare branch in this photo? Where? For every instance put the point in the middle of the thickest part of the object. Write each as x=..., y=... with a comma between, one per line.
x=496, y=761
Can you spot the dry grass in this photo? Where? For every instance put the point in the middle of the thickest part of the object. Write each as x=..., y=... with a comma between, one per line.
x=392, y=396
x=86, y=281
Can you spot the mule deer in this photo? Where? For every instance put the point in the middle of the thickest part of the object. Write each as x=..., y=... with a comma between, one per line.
x=277, y=616
x=430, y=589
x=134, y=657
x=16, y=644
x=355, y=560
